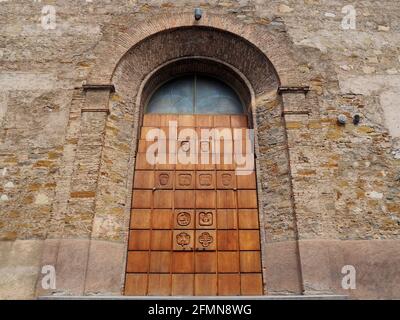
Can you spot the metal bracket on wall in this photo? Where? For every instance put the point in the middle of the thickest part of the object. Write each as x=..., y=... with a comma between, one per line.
x=297, y=112
x=109, y=87
x=293, y=89
x=95, y=110
x=97, y=87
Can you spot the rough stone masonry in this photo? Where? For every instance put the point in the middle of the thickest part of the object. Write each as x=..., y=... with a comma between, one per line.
x=329, y=194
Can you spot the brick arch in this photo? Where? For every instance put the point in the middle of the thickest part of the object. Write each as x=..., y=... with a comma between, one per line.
x=163, y=48
x=113, y=47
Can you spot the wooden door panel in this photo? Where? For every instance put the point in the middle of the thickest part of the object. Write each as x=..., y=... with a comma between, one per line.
x=228, y=240
x=151, y=120
x=222, y=121
x=226, y=180
x=160, y=261
x=251, y=284
x=194, y=228
x=204, y=121
x=221, y=164
x=164, y=166
x=249, y=239
x=205, y=262
x=185, y=166
x=206, y=219
x=165, y=119
x=142, y=163
x=182, y=284
x=247, y=199
x=224, y=147
x=164, y=179
x=248, y=219
x=185, y=179
x=250, y=261
x=183, y=240
x=161, y=240
x=205, y=145
x=227, y=219
x=239, y=122
x=140, y=219
x=205, y=180
x=205, y=199
x=163, y=199
x=142, y=199
x=138, y=261
x=184, y=199
x=205, y=162
x=136, y=284
x=182, y=262
x=228, y=284
x=205, y=240
x=205, y=284
x=247, y=180
x=186, y=121
x=143, y=145
x=226, y=199
x=159, y=285
x=184, y=219
x=162, y=219
x=228, y=261
x=144, y=180
x=139, y=240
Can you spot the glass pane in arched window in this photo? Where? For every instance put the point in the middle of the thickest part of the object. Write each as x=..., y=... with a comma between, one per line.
x=214, y=96
x=176, y=96
x=195, y=95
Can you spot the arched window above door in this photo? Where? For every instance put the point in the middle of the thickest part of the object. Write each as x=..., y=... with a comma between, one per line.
x=195, y=94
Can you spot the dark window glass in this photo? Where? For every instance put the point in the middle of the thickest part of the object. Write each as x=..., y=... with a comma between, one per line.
x=195, y=95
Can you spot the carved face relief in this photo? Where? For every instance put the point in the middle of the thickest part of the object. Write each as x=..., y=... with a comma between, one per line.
x=185, y=146
x=226, y=179
x=205, y=179
x=204, y=146
x=185, y=179
x=183, y=219
x=163, y=179
x=205, y=239
x=183, y=239
x=205, y=218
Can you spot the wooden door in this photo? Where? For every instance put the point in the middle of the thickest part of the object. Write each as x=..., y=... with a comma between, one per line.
x=194, y=228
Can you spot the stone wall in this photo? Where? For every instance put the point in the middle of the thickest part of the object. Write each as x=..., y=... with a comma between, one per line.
x=330, y=194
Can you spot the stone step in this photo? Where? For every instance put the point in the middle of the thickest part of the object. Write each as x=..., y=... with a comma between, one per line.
x=289, y=297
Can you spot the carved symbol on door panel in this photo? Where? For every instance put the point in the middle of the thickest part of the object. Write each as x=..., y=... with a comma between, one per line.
x=226, y=179
x=183, y=219
x=204, y=146
x=206, y=218
x=185, y=146
x=183, y=239
x=185, y=180
x=205, y=239
x=163, y=179
x=205, y=179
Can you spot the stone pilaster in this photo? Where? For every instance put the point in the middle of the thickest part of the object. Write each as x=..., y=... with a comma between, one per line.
x=68, y=251
x=310, y=172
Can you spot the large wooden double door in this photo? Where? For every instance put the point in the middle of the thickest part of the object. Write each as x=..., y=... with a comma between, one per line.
x=194, y=228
